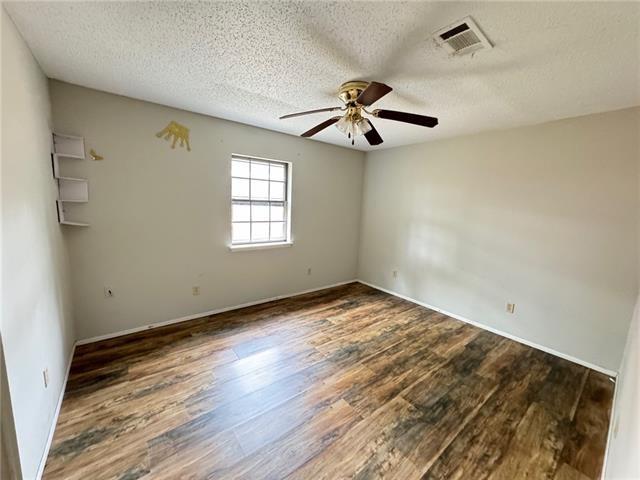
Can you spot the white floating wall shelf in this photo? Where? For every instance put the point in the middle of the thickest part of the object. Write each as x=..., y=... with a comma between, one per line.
x=68, y=145
x=63, y=220
x=70, y=189
x=73, y=189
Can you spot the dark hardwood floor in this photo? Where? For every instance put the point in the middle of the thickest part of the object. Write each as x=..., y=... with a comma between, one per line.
x=348, y=382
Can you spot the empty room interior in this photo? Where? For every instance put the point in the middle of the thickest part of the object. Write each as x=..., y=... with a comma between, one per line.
x=320, y=240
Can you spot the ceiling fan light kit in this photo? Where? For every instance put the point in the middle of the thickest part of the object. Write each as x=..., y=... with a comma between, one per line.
x=356, y=96
x=353, y=128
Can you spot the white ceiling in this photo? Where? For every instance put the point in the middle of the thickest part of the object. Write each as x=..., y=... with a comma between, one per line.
x=252, y=62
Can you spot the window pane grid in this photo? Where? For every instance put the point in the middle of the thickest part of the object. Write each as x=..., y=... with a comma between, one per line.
x=262, y=197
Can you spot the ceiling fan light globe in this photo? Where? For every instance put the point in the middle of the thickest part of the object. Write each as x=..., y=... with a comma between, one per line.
x=362, y=127
x=343, y=125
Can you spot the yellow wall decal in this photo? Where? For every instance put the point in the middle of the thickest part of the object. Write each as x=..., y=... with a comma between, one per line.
x=94, y=155
x=176, y=132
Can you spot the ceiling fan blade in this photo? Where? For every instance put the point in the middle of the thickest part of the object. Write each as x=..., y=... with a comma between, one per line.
x=421, y=120
x=320, y=127
x=372, y=136
x=374, y=92
x=299, y=114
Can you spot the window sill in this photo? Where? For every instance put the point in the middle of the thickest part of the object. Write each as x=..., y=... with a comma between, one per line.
x=258, y=246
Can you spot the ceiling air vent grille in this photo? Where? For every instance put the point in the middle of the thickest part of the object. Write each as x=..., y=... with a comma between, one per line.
x=462, y=37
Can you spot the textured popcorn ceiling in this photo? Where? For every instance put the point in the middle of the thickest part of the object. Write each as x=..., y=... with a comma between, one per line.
x=252, y=62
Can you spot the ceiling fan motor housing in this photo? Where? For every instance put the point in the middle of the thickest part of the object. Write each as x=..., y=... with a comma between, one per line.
x=350, y=91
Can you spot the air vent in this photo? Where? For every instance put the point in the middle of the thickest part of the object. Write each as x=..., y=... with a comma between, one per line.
x=462, y=37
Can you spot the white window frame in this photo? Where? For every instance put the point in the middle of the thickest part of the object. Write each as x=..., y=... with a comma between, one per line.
x=252, y=245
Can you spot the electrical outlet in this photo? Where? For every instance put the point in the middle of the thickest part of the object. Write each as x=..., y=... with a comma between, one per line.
x=309, y=271
x=511, y=307
x=395, y=274
x=45, y=377
x=195, y=290
x=108, y=292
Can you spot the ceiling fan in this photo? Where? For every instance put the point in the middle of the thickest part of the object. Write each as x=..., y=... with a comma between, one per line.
x=357, y=95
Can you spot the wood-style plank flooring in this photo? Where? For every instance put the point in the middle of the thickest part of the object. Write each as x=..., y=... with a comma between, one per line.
x=348, y=382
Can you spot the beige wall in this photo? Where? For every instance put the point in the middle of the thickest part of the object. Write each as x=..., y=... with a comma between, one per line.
x=623, y=461
x=160, y=218
x=545, y=217
x=37, y=330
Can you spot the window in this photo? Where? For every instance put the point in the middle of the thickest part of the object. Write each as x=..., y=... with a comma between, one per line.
x=260, y=212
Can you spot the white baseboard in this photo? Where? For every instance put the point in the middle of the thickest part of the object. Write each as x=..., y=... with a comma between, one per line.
x=54, y=421
x=186, y=318
x=205, y=314
x=579, y=361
